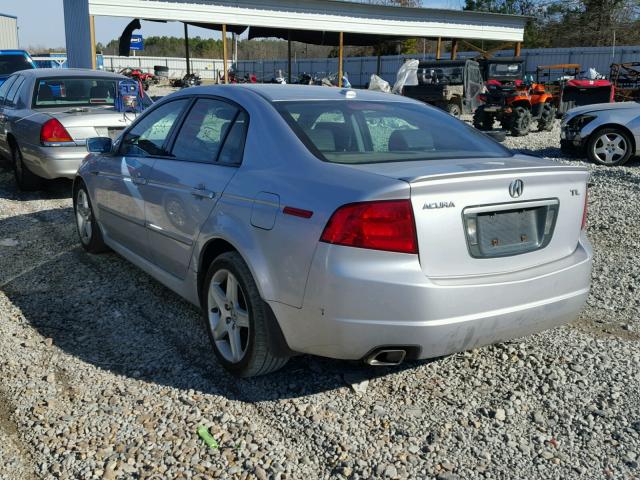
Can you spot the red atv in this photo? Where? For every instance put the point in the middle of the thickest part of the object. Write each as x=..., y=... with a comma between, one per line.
x=146, y=79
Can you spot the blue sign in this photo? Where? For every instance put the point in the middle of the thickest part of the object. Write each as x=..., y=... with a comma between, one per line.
x=137, y=42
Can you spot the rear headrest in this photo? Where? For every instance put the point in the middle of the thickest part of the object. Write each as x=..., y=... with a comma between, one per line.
x=45, y=93
x=99, y=92
x=323, y=139
x=403, y=140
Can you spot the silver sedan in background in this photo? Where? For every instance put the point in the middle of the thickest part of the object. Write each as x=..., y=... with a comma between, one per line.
x=342, y=223
x=608, y=133
x=47, y=114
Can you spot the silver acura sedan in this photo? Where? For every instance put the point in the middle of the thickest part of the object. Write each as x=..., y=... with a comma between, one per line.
x=341, y=223
x=47, y=114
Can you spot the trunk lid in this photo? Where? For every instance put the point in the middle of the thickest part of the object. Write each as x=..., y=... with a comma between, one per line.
x=83, y=123
x=452, y=198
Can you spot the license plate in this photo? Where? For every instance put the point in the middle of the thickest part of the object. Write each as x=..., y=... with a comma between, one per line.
x=510, y=229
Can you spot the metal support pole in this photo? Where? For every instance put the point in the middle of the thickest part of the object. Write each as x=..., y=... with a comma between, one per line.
x=289, y=56
x=224, y=54
x=439, y=48
x=92, y=34
x=517, y=50
x=340, y=57
x=186, y=48
x=454, y=49
x=379, y=62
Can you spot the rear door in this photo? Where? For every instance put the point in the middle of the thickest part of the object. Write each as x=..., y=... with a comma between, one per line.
x=121, y=179
x=184, y=187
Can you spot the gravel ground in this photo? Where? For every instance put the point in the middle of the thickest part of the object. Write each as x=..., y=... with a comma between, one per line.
x=104, y=373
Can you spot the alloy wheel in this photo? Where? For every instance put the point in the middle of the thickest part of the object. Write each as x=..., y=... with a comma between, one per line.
x=610, y=147
x=83, y=216
x=228, y=316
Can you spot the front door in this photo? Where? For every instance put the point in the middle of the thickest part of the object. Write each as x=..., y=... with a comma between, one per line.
x=121, y=182
x=184, y=188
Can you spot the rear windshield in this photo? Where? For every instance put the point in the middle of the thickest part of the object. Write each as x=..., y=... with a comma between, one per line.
x=74, y=92
x=509, y=70
x=353, y=131
x=13, y=63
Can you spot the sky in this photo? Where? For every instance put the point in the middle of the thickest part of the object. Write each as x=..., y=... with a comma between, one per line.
x=45, y=28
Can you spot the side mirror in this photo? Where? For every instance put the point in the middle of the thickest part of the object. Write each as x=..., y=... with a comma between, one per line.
x=497, y=135
x=99, y=145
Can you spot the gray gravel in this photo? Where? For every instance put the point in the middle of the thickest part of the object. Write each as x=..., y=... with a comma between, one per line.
x=106, y=374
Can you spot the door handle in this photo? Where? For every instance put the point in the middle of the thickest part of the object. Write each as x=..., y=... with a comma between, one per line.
x=200, y=192
x=139, y=180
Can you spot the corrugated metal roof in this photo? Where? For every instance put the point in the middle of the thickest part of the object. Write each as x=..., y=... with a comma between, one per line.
x=326, y=15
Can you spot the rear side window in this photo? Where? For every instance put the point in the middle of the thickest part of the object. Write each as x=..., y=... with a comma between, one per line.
x=345, y=131
x=149, y=135
x=209, y=125
x=5, y=88
x=12, y=94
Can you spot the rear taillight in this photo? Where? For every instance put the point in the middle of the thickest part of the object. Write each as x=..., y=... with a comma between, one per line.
x=380, y=225
x=54, y=132
x=585, y=208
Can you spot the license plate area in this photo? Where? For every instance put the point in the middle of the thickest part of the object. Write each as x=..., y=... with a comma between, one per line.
x=508, y=229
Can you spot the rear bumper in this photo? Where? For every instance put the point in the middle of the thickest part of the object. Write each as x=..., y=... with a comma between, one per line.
x=53, y=162
x=355, y=303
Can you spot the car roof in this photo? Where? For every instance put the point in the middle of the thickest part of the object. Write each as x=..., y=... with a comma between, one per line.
x=69, y=72
x=14, y=52
x=273, y=92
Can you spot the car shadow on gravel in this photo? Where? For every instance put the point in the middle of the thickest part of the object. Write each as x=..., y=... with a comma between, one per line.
x=105, y=312
x=51, y=189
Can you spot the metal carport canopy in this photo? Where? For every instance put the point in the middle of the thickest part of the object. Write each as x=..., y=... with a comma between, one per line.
x=323, y=15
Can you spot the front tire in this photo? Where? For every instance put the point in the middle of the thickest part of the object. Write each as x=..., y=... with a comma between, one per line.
x=547, y=118
x=610, y=147
x=237, y=318
x=520, y=122
x=27, y=180
x=88, y=229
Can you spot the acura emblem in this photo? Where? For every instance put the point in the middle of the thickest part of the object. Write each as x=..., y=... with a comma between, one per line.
x=515, y=188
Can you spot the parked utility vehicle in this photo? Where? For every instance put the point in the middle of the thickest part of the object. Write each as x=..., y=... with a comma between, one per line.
x=452, y=85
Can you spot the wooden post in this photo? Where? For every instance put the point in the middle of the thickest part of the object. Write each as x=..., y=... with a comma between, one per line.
x=186, y=48
x=92, y=34
x=454, y=49
x=516, y=50
x=340, y=54
x=289, y=75
x=439, y=48
x=224, y=54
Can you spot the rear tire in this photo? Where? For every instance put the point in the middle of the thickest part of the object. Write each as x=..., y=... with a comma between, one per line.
x=27, y=180
x=483, y=120
x=609, y=146
x=547, y=118
x=236, y=318
x=520, y=122
x=88, y=229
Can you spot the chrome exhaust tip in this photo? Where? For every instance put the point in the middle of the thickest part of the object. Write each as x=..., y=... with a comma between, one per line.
x=386, y=357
